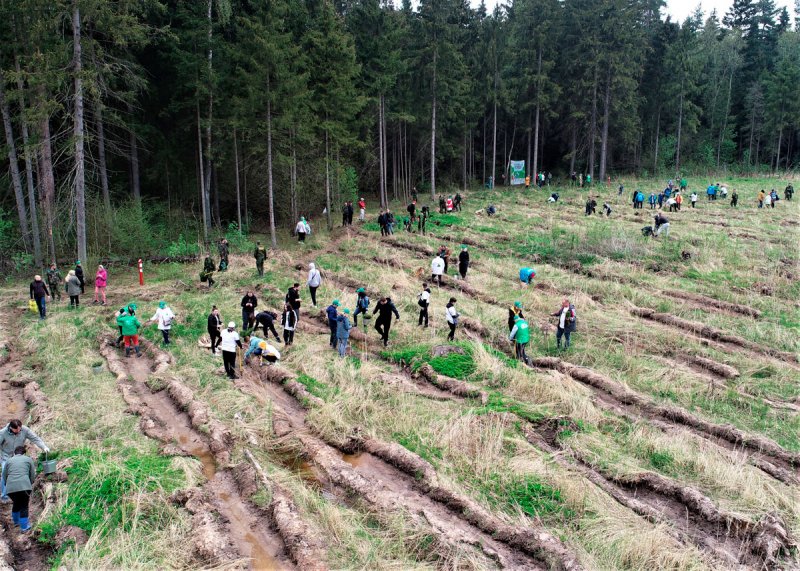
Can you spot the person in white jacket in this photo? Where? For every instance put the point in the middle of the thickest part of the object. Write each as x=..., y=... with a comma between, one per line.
x=164, y=317
x=314, y=280
x=452, y=317
x=302, y=229
x=437, y=269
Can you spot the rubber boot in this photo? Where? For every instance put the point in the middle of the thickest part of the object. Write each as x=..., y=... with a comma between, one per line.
x=127, y=352
x=15, y=518
x=138, y=354
x=23, y=524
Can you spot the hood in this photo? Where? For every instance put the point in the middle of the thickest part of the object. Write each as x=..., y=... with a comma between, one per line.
x=311, y=266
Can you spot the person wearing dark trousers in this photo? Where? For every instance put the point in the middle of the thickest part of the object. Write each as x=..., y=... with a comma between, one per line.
x=424, y=302
x=249, y=304
x=332, y=313
x=314, y=281
x=230, y=341
x=452, y=317
x=18, y=475
x=39, y=293
x=362, y=304
x=266, y=320
x=293, y=298
x=79, y=273
x=566, y=322
x=214, y=328
x=289, y=323
x=463, y=262
x=383, y=324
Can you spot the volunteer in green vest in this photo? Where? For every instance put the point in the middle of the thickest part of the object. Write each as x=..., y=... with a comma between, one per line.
x=520, y=334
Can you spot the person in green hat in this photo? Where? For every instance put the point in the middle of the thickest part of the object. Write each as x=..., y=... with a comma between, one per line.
x=302, y=229
x=260, y=254
x=520, y=335
x=332, y=313
x=362, y=304
x=463, y=262
x=130, y=330
x=513, y=312
x=164, y=317
x=343, y=332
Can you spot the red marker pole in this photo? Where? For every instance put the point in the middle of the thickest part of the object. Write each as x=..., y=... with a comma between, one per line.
x=141, y=273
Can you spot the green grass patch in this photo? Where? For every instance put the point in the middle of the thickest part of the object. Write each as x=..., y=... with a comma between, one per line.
x=317, y=388
x=525, y=493
x=455, y=365
x=413, y=443
x=661, y=460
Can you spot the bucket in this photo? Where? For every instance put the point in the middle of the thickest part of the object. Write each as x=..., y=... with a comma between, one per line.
x=48, y=466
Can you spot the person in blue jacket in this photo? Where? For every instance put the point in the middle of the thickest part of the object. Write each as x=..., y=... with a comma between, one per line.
x=332, y=312
x=526, y=275
x=343, y=332
x=652, y=200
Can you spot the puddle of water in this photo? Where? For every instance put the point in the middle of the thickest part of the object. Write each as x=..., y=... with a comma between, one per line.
x=201, y=452
x=302, y=468
x=12, y=407
x=355, y=460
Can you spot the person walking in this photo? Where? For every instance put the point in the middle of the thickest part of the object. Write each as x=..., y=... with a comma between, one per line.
x=214, y=329
x=18, y=475
x=566, y=322
x=607, y=209
x=382, y=223
x=208, y=271
x=13, y=435
x=266, y=320
x=314, y=281
x=343, y=332
x=293, y=298
x=526, y=275
x=437, y=269
x=773, y=198
x=424, y=302
x=452, y=317
x=122, y=311
x=230, y=342
x=100, y=281
x=164, y=317
x=224, y=251
x=54, y=280
x=289, y=323
x=302, y=229
x=79, y=274
x=463, y=261
x=513, y=312
x=768, y=200
x=74, y=289
x=332, y=314
x=362, y=304
x=412, y=211
x=693, y=199
x=520, y=335
x=39, y=293
x=389, y=222
x=130, y=330
x=260, y=254
x=249, y=303
x=385, y=308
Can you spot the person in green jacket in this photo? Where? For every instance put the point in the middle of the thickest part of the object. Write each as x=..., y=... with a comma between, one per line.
x=54, y=280
x=260, y=254
x=207, y=275
x=130, y=325
x=18, y=475
x=520, y=334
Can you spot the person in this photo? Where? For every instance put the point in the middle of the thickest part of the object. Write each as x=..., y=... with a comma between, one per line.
x=223, y=249
x=362, y=209
x=208, y=271
x=661, y=224
x=302, y=229
x=580, y=180
x=332, y=313
x=18, y=475
x=289, y=323
x=293, y=297
x=723, y=191
x=229, y=342
x=74, y=289
x=424, y=302
x=566, y=322
x=711, y=192
x=549, y=178
x=768, y=199
x=349, y=212
x=314, y=281
x=423, y=219
x=442, y=205
x=463, y=261
x=683, y=184
x=100, y=281
x=54, y=280
x=761, y=196
x=788, y=192
x=249, y=303
x=678, y=201
x=344, y=214
x=444, y=254
x=573, y=178
x=693, y=199
x=343, y=332
x=12, y=436
x=734, y=199
x=672, y=204
x=661, y=199
x=268, y=353
x=639, y=200
x=520, y=335
x=491, y=210
x=588, y=179
x=385, y=308
x=130, y=330
x=260, y=254
x=266, y=320
x=607, y=209
x=457, y=200
x=513, y=312
x=621, y=189
x=253, y=343
x=527, y=182
x=449, y=204
x=382, y=222
x=122, y=311
x=526, y=275
x=774, y=196
x=437, y=269
x=39, y=293
x=214, y=329
x=553, y=197
x=79, y=275
x=412, y=210
x=591, y=206
x=452, y=317
x=164, y=316
x=362, y=304
x=389, y=222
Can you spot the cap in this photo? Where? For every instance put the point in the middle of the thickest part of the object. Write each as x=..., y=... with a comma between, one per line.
x=335, y=302
x=232, y=325
x=132, y=306
x=162, y=304
x=77, y=262
x=463, y=246
x=347, y=311
x=360, y=290
x=518, y=304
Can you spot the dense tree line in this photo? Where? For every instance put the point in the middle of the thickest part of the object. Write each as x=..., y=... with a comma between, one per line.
x=229, y=110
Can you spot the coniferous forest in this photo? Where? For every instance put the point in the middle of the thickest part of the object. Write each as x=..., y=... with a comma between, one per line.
x=129, y=125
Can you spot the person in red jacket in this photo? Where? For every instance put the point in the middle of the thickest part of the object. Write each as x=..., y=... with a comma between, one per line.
x=100, y=281
x=362, y=209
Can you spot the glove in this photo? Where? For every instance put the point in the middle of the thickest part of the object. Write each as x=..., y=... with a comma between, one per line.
x=46, y=449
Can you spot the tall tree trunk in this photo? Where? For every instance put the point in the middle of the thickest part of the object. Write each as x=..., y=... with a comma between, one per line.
x=236, y=170
x=101, y=154
x=394, y=166
x=328, y=181
x=535, y=164
x=573, y=149
x=210, y=59
x=464, y=156
x=778, y=150
x=134, y=160
x=494, y=135
x=593, y=126
x=16, y=179
x=433, y=130
x=385, y=155
x=528, y=163
x=382, y=175
x=46, y=178
x=293, y=179
x=80, y=183
x=273, y=236
x=483, y=159
x=604, y=134
x=752, y=134
x=215, y=173
x=37, y=242
x=680, y=126
x=202, y=176
x=658, y=138
x=725, y=120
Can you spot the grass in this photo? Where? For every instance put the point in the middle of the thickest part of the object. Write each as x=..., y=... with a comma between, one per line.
x=457, y=365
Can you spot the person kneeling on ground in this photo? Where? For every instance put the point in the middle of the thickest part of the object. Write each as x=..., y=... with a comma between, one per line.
x=662, y=225
x=520, y=335
x=526, y=275
x=18, y=475
x=566, y=322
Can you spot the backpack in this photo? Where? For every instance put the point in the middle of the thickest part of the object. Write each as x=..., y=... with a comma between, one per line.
x=639, y=197
x=363, y=302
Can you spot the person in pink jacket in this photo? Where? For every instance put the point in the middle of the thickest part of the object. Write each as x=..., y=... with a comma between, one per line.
x=100, y=279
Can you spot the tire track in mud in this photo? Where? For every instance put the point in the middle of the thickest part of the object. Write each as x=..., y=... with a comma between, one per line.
x=388, y=477
x=162, y=417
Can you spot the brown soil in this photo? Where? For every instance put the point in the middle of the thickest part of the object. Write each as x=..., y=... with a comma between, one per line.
x=706, y=301
x=458, y=388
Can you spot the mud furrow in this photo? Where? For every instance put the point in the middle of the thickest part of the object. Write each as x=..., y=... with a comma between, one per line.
x=458, y=388
x=173, y=416
x=705, y=301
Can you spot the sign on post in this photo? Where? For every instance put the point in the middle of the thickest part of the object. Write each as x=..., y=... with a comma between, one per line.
x=517, y=172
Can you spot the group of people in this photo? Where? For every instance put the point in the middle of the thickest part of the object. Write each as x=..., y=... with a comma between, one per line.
x=18, y=470
x=519, y=330
x=771, y=198
x=74, y=285
x=441, y=262
x=347, y=211
x=129, y=326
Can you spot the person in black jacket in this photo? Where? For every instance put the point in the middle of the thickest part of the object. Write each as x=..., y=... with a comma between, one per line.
x=382, y=223
x=266, y=320
x=39, y=293
x=214, y=329
x=293, y=298
x=463, y=262
x=384, y=309
x=289, y=323
x=249, y=304
x=79, y=275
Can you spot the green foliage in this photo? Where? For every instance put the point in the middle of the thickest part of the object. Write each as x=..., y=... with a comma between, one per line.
x=181, y=247
x=527, y=493
x=661, y=460
x=413, y=442
x=317, y=388
x=455, y=365
x=349, y=184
